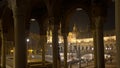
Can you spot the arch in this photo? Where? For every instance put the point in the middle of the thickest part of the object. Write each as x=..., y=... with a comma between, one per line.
x=7, y=23
x=81, y=20
x=7, y=32
x=38, y=12
x=69, y=12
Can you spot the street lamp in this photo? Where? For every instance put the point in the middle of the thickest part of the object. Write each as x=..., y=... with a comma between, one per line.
x=32, y=19
x=28, y=40
x=92, y=49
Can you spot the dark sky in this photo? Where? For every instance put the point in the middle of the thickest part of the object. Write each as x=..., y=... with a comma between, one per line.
x=34, y=27
x=80, y=18
x=110, y=23
x=82, y=21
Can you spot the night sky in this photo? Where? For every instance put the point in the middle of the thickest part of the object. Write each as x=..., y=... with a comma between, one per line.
x=34, y=27
x=80, y=18
x=110, y=23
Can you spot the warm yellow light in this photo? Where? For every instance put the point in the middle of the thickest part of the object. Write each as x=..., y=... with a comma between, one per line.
x=70, y=33
x=91, y=39
x=11, y=51
x=30, y=50
x=72, y=39
x=85, y=40
x=110, y=37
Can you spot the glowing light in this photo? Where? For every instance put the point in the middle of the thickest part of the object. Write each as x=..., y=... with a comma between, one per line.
x=106, y=48
x=32, y=19
x=11, y=51
x=78, y=9
x=92, y=48
x=27, y=40
x=30, y=50
x=50, y=45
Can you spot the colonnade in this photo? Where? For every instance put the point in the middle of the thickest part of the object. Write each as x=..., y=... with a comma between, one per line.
x=21, y=48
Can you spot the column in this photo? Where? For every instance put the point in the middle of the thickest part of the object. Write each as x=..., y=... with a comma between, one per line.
x=56, y=56
x=20, y=42
x=53, y=20
x=20, y=46
x=65, y=49
x=117, y=28
x=3, y=54
x=95, y=48
x=0, y=47
x=79, y=55
x=43, y=40
x=99, y=42
x=94, y=41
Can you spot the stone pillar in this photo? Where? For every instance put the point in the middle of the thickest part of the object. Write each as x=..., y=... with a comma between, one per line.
x=55, y=45
x=3, y=46
x=43, y=37
x=3, y=54
x=99, y=42
x=94, y=41
x=79, y=55
x=43, y=40
x=0, y=47
x=20, y=42
x=95, y=48
x=54, y=21
x=117, y=27
x=14, y=57
x=65, y=50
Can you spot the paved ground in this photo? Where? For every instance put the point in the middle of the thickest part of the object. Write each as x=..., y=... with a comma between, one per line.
x=76, y=65
x=91, y=65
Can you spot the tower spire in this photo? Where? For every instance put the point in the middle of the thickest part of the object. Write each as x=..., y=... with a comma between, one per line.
x=74, y=28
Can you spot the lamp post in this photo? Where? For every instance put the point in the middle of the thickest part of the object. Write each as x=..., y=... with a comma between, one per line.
x=92, y=52
x=28, y=40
